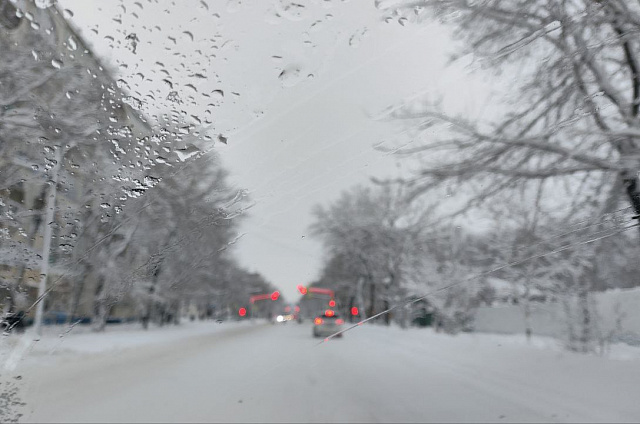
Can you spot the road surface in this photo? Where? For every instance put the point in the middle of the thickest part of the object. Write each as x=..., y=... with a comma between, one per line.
x=277, y=373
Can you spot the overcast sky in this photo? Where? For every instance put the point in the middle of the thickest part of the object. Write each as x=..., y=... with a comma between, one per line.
x=293, y=89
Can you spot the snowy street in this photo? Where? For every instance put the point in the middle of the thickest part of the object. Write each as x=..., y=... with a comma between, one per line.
x=278, y=373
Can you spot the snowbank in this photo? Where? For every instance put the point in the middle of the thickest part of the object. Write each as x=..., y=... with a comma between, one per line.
x=79, y=340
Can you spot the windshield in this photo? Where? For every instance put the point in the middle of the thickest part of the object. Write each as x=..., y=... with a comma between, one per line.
x=190, y=190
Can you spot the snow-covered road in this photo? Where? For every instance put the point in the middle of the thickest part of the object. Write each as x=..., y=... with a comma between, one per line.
x=263, y=372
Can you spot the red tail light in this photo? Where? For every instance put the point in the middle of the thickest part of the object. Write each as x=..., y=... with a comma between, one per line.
x=339, y=321
x=329, y=313
x=354, y=311
x=332, y=303
x=317, y=321
x=242, y=312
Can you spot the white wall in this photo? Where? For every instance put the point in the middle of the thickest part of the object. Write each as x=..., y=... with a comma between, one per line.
x=551, y=320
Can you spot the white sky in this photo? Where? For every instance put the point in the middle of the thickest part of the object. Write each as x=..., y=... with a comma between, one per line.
x=293, y=141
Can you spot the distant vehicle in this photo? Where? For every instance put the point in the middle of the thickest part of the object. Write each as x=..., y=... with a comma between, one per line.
x=284, y=318
x=326, y=324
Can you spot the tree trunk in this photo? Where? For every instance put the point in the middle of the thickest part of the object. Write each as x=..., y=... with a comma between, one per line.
x=372, y=299
x=100, y=308
x=586, y=336
x=387, y=316
x=74, y=302
x=571, y=335
x=360, y=298
x=633, y=191
x=526, y=305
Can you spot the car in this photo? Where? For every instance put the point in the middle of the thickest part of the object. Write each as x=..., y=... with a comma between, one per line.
x=327, y=324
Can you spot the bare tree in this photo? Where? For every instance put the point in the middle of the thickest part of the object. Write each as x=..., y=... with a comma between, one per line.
x=572, y=116
x=368, y=234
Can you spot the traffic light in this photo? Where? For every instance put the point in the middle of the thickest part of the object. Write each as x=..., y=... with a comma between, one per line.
x=354, y=311
x=275, y=295
x=242, y=312
x=332, y=303
x=302, y=289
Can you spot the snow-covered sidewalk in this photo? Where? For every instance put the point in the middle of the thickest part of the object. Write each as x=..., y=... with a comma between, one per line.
x=68, y=341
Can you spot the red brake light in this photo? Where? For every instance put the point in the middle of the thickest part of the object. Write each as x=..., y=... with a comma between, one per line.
x=317, y=321
x=354, y=311
x=302, y=289
x=332, y=303
x=275, y=295
x=297, y=309
x=329, y=313
x=339, y=321
x=242, y=312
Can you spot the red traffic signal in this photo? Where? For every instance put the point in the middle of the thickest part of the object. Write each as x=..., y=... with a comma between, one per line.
x=275, y=295
x=242, y=312
x=302, y=289
x=354, y=311
x=332, y=303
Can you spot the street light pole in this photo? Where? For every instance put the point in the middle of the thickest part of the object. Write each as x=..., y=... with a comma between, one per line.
x=46, y=242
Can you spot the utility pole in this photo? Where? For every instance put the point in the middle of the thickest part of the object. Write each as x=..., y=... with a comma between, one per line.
x=47, y=235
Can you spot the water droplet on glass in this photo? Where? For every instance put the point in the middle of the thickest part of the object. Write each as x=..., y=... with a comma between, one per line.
x=217, y=94
x=173, y=97
x=67, y=14
x=290, y=76
x=72, y=44
x=132, y=41
x=186, y=153
x=43, y=4
x=56, y=63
